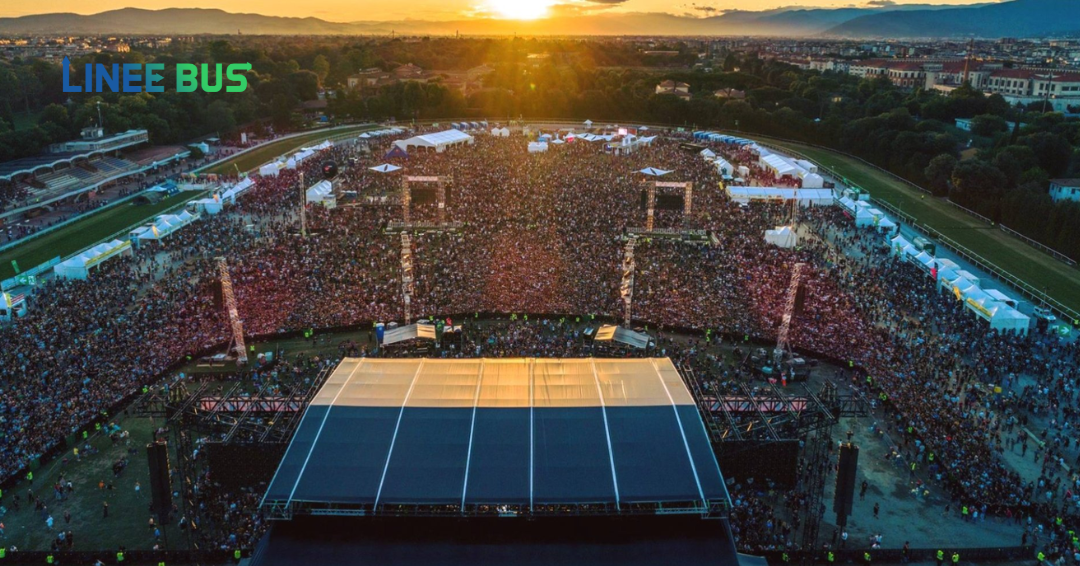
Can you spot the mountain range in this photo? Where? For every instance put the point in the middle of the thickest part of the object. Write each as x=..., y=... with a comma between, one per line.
x=1016, y=18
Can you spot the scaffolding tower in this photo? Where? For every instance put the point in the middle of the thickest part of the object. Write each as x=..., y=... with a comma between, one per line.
x=626, y=288
x=406, y=275
x=782, y=337
x=228, y=301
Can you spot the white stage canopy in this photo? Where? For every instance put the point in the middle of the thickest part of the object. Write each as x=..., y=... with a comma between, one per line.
x=438, y=141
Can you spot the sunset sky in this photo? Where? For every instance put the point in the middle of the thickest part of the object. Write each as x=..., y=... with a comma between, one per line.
x=357, y=10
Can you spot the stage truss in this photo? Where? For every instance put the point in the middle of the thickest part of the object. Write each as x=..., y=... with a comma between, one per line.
x=440, y=182
x=650, y=205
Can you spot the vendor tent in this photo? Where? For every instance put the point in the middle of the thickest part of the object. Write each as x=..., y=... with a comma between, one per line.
x=409, y=332
x=270, y=169
x=79, y=266
x=538, y=147
x=805, y=197
x=438, y=141
x=322, y=193
x=500, y=132
x=782, y=237
x=207, y=205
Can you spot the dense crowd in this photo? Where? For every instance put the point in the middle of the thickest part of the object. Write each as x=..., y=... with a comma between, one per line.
x=543, y=233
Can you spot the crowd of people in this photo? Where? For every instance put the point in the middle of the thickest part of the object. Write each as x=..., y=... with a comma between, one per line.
x=544, y=233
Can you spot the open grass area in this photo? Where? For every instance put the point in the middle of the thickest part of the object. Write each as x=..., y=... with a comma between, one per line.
x=257, y=157
x=78, y=235
x=1008, y=253
x=128, y=520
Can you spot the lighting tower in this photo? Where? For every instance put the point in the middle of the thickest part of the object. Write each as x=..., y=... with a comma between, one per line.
x=229, y=303
x=789, y=312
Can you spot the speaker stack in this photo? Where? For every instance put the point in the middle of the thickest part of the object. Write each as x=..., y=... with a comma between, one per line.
x=157, y=455
x=845, y=482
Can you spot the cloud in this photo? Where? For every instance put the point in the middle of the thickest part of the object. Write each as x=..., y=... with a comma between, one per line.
x=607, y=1
x=881, y=3
x=707, y=9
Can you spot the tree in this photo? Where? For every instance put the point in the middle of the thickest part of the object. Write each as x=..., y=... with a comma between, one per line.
x=321, y=66
x=987, y=125
x=1053, y=151
x=281, y=110
x=978, y=185
x=939, y=172
x=220, y=117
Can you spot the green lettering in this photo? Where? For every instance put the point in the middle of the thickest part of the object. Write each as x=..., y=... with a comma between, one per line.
x=234, y=75
x=186, y=80
x=206, y=86
x=152, y=77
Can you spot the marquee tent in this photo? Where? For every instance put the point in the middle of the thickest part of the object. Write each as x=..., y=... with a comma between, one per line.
x=708, y=153
x=500, y=132
x=778, y=165
x=805, y=197
x=79, y=266
x=234, y=191
x=409, y=332
x=438, y=141
x=270, y=169
x=723, y=167
x=163, y=226
x=945, y=263
x=538, y=147
x=207, y=205
x=970, y=276
x=812, y=181
x=898, y=244
x=782, y=237
x=1002, y=297
x=322, y=193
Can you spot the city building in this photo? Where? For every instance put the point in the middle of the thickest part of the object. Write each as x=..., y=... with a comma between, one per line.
x=1065, y=189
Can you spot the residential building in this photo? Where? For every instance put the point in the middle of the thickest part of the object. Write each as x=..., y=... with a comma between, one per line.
x=1065, y=189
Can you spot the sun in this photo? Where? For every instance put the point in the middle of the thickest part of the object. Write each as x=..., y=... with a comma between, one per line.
x=520, y=9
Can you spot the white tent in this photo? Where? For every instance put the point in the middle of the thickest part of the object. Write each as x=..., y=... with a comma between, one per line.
x=500, y=132
x=898, y=244
x=813, y=181
x=654, y=172
x=270, y=169
x=538, y=147
x=438, y=141
x=970, y=276
x=707, y=153
x=163, y=226
x=945, y=263
x=1002, y=297
x=322, y=193
x=810, y=167
x=778, y=165
x=79, y=266
x=1008, y=319
x=782, y=237
x=385, y=168
x=207, y=205
x=805, y=197
x=588, y=123
x=234, y=191
x=723, y=167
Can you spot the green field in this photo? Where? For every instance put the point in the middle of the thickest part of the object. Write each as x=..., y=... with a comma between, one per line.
x=78, y=235
x=1008, y=253
x=258, y=156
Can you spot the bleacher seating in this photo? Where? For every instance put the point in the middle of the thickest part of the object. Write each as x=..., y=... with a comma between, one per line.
x=54, y=184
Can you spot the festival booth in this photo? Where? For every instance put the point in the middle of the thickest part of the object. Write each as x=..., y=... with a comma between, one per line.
x=812, y=181
x=898, y=244
x=270, y=169
x=779, y=166
x=163, y=226
x=322, y=193
x=209, y=206
x=80, y=266
x=810, y=167
x=12, y=306
x=438, y=141
x=500, y=132
x=236, y=190
x=924, y=260
x=945, y=263
x=804, y=197
x=1002, y=298
x=708, y=154
x=782, y=237
x=538, y=147
x=723, y=167
x=970, y=276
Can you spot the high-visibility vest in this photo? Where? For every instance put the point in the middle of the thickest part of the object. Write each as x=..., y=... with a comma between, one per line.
x=955, y=557
x=85, y=434
x=1058, y=521
x=913, y=466
x=236, y=554
x=30, y=476
x=1041, y=556
x=119, y=556
x=785, y=557
x=941, y=555
x=162, y=563
x=97, y=426
x=965, y=511
x=49, y=559
x=866, y=557
x=830, y=557
x=931, y=457
x=3, y=552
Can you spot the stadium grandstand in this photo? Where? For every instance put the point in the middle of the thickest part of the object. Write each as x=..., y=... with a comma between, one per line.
x=78, y=166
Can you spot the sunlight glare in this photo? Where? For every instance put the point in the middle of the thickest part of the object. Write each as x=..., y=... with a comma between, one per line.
x=520, y=9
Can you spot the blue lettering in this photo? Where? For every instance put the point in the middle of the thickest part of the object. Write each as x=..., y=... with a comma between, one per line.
x=67, y=78
x=88, y=77
x=130, y=77
x=112, y=80
x=152, y=77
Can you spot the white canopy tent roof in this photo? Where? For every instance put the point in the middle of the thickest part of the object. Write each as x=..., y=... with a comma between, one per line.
x=782, y=237
x=320, y=192
x=236, y=190
x=805, y=197
x=654, y=172
x=438, y=141
x=538, y=147
x=778, y=165
x=163, y=226
x=79, y=266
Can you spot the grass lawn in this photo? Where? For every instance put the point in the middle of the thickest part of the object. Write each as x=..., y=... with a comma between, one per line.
x=127, y=523
x=1009, y=253
x=257, y=157
x=78, y=235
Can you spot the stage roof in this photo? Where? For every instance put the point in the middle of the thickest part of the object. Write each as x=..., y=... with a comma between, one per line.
x=522, y=431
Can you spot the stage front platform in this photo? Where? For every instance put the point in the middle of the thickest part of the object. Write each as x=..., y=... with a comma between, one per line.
x=550, y=541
